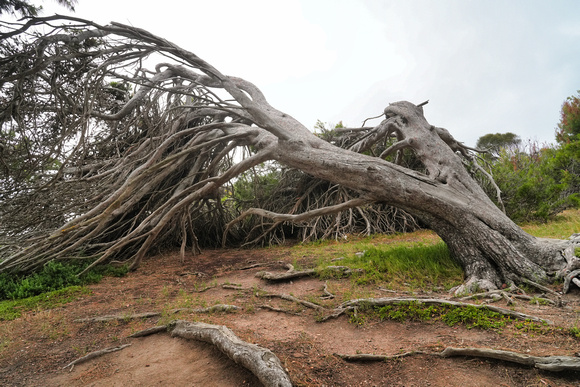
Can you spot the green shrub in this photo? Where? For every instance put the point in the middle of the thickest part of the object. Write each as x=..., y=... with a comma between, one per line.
x=538, y=182
x=53, y=276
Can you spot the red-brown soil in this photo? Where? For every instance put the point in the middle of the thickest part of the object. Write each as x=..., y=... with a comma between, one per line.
x=37, y=346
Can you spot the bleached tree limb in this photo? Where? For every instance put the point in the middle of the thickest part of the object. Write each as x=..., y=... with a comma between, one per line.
x=96, y=354
x=260, y=361
x=546, y=363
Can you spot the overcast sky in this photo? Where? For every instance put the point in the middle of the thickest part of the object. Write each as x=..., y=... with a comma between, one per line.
x=486, y=66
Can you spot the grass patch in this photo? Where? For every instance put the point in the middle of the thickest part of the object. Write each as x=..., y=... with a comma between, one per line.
x=564, y=225
x=469, y=316
x=13, y=309
x=53, y=276
x=412, y=265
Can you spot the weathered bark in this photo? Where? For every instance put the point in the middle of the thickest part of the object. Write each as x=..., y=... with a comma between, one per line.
x=546, y=363
x=165, y=177
x=260, y=361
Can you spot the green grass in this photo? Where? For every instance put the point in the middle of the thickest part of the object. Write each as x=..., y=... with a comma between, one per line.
x=13, y=309
x=469, y=316
x=414, y=265
x=564, y=225
x=53, y=276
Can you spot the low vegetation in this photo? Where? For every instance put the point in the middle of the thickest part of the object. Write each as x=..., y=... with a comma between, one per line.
x=405, y=265
x=13, y=309
x=53, y=276
x=470, y=317
x=56, y=284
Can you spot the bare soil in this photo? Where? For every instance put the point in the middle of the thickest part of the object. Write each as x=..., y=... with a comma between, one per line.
x=37, y=346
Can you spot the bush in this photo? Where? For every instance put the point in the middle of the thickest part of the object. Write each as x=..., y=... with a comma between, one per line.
x=53, y=276
x=538, y=182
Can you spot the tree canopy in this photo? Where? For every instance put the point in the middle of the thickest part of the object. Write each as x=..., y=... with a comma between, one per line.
x=569, y=125
x=493, y=142
x=26, y=8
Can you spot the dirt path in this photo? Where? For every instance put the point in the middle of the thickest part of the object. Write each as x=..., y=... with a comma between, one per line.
x=38, y=345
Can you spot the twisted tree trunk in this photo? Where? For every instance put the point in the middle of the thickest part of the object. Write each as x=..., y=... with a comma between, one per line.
x=161, y=154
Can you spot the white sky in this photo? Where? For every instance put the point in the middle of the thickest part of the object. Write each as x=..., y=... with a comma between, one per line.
x=486, y=66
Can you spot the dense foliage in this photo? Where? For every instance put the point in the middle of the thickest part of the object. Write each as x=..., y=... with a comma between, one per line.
x=569, y=126
x=494, y=142
x=53, y=276
x=26, y=8
x=538, y=181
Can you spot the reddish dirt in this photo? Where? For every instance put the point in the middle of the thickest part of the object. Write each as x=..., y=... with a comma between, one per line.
x=37, y=346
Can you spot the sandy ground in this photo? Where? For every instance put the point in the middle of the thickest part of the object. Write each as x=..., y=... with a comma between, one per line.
x=37, y=346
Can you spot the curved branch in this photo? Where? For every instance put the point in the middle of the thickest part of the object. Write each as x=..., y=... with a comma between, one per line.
x=295, y=217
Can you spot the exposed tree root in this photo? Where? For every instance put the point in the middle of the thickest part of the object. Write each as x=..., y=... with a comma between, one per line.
x=203, y=290
x=95, y=354
x=287, y=276
x=353, y=304
x=210, y=309
x=149, y=331
x=279, y=310
x=260, y=361
x=119, y=317
x=327, y=294
x=547, y=363
x=254, y=265
x=293, y=274
x=570, y=278
x=233, y=287
x=288, y=297
x=496, y=295
x=393, y=291
x=364, y=357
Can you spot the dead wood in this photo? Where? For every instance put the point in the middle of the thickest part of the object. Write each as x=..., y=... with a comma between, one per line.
x=288, y=297
x=233, y=287
x=210, y=309
x=280, y=277
x=95, y=354
x=570, y=278
x=254, y=265
x=149, y=331
x=119, y=317
x=547, y=363
x=260, y=361
x=495, y=295
x=293, y=274
x=205, y=289
x=372, y=357
x=279, y=310
x=327, y=295
x=129, y=159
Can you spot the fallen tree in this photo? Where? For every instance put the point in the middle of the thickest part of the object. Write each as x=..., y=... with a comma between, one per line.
x=134, y=158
